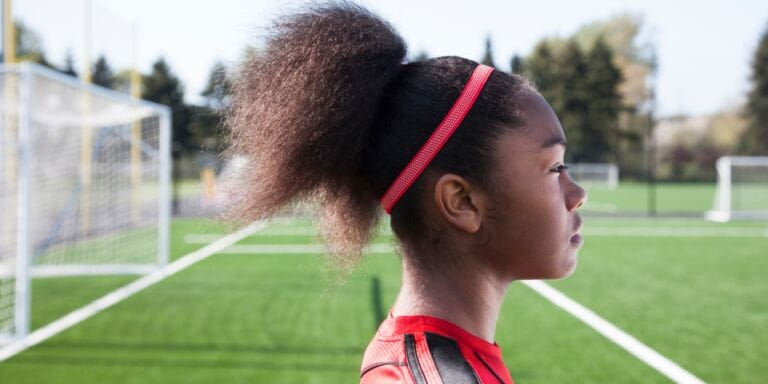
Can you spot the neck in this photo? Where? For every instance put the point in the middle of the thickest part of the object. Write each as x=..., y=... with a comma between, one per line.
x=459, y=293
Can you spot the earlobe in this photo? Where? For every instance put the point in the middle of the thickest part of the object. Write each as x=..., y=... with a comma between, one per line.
x=458, y=203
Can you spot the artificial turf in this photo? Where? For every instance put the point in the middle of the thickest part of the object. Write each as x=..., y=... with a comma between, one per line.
x=698, y=299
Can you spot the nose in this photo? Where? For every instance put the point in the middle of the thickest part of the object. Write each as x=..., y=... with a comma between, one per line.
x=576, y=197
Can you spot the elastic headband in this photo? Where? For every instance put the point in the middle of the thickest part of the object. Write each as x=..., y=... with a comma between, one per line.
x=439, y=137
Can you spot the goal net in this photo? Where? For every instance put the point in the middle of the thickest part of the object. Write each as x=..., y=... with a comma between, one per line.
x=84, y=184
x=595, y=174
x=742, y=189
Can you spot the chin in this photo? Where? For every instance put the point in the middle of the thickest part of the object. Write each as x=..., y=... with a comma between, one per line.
x=567, y=267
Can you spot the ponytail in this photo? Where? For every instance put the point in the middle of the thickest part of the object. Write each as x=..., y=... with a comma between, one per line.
x=302, y=115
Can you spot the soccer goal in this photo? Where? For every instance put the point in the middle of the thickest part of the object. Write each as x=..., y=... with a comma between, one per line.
x=84, y=185
x=742, y=189
x=595, y=174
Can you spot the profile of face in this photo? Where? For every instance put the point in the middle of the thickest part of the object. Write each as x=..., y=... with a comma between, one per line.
x=534, y=226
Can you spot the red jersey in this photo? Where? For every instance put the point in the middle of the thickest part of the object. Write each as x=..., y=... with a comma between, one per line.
x=427, y=350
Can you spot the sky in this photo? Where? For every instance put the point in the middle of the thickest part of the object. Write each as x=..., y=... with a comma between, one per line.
x=704, y=47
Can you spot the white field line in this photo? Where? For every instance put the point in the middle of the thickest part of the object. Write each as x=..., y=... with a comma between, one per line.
x=296, y=249
x=643, y=352
x=602, y=207
x=272, y=231
x=123, y=293
x=675, y=231
x=205, y=238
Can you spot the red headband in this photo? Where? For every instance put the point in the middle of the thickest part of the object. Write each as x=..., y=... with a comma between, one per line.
x=439, y=137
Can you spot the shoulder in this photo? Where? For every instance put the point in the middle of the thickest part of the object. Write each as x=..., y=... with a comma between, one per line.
x=417, y=358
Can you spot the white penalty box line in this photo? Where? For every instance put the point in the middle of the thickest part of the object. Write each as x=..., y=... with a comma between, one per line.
x=626, y=341
x=79, y=315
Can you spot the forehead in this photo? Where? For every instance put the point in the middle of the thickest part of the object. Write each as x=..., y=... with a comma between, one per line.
x=542, y=128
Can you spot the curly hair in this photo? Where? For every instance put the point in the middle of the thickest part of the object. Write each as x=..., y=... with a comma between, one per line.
x=330, y=112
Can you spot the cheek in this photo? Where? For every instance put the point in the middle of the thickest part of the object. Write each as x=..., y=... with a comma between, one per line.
x=532, y=235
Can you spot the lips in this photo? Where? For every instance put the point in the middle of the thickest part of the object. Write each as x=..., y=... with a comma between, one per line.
x=576, y=237
x=577, y=227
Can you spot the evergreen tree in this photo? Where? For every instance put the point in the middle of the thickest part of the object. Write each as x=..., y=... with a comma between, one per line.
x=635, y=56
x=102, y=73
x=541, y=69
x=583, y=91
x=571, y=101
x=69, y=65
x=163, y=87
x=516, y=65
x=488, y=55
x=218, y=88
x=207, y=121
x=604, y=104
x=755, y=139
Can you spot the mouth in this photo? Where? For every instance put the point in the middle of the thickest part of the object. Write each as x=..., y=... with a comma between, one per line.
x=576, y=237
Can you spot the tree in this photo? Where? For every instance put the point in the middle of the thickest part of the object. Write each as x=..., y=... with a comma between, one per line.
x=488, y=55
x=69, y=64
x=541, y=69
x=604, y=104
x=218, y=88
x=755, y=139
x=163, y=87
x=571, y=101
x=582, y=89
x=636, y=59
x=102, y=73
x=207, y=121
x=29, y=45
x=516, y=65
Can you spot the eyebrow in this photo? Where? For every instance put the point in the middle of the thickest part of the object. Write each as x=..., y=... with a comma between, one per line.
x=553, y=141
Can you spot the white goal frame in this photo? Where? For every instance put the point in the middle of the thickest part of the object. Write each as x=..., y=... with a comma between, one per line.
x=610, y=170
x=723, y=209
x=17, y=107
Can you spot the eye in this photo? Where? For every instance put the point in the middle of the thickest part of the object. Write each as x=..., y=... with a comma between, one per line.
x=560, y=168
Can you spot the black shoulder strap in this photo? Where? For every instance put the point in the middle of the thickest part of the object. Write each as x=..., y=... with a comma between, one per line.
x=413, y=360
x=450, y=363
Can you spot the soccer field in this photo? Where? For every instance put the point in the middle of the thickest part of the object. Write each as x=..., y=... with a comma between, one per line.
x=267, y=310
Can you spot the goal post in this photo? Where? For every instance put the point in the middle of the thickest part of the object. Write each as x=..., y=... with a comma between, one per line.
x=43, y=157
x=742, y=189
x=595, y=174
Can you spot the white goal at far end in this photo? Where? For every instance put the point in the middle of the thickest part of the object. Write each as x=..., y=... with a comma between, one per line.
x=742, y=189
x=595, y=174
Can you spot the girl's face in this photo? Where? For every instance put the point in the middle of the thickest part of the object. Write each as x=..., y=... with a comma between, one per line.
x=534, y=230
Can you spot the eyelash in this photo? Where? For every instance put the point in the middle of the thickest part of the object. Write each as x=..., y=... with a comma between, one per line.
x=560, y=168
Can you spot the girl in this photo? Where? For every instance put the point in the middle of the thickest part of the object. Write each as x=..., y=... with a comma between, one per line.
x=467, y=160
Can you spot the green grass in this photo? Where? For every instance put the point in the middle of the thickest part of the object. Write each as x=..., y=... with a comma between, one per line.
x=240, y=318
x=670, y=197
x=56, y=296
x=135, y=245
x=698, y=301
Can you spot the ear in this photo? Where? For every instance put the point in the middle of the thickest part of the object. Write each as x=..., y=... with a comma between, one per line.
x=459, y=202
